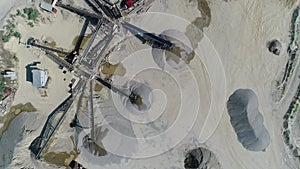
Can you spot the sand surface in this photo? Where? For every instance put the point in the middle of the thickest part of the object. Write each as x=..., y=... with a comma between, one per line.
x=230, y=53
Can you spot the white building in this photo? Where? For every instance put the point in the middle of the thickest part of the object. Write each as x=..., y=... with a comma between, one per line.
x=49, y=5
x=39, y=78
x=9, y=73
x=111, y=2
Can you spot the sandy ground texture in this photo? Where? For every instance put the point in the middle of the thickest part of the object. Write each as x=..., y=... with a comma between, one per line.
x=233, y=51
x=7, y=6
x=188, y=103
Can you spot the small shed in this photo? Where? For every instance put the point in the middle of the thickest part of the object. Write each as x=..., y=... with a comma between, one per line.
x=9, y=73
x=49, y=6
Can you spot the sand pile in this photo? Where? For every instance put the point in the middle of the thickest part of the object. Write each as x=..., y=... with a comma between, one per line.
x=141, y=90
x=201, y=158
x=274, y=47
x=109, y=125
x=247, y=121
x=160, y=97
x=172, y=95
x=93, y=147
x=19, y=128
x=13, y=113
x=182, y=52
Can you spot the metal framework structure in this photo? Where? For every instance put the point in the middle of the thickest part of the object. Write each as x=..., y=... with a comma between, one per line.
x=86, y=69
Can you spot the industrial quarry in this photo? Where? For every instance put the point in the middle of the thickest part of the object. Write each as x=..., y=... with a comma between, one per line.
x=153, y=84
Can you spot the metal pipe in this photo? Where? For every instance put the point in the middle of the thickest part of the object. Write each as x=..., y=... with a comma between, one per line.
x=147, y=36
x=92, y=111
x=111, y=87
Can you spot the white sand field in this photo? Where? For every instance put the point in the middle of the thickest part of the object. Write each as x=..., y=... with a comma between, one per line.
x=188, y=104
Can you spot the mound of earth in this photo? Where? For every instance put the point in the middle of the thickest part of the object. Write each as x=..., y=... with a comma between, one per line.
x=247, y=121
x=201, y=158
